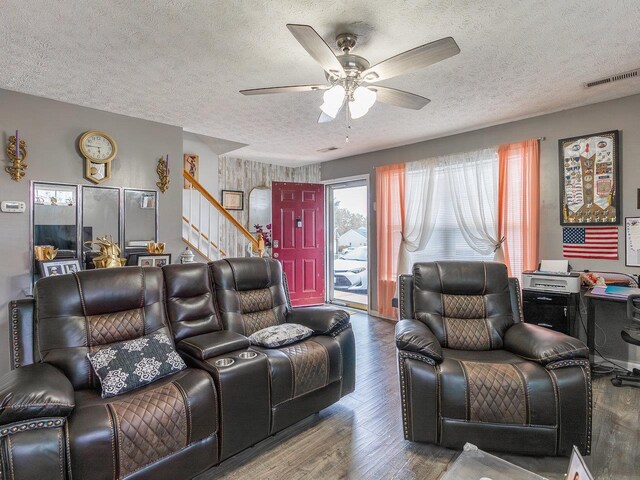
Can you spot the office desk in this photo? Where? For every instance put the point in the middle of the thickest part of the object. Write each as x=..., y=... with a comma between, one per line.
x=592, y=300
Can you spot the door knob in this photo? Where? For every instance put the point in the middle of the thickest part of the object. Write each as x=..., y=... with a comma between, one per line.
x=275, y=255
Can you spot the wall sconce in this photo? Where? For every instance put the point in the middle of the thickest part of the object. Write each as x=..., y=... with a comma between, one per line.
x=163, y=174
x=17, y=152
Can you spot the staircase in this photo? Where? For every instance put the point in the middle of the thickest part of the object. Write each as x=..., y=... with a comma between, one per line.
x=211, y=230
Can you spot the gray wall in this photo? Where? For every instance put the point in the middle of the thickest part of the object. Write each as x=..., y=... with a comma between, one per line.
x=51, y=130
x=622, y=114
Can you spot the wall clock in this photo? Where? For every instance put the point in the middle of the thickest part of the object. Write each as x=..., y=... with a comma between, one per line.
x=98, y=149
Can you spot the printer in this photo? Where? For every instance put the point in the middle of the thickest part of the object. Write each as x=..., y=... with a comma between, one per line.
x=552, y=276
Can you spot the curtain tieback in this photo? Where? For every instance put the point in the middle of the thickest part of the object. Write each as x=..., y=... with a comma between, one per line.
x=499, y=244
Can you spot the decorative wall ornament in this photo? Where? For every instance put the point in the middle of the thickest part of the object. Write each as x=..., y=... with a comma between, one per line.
x=589, y=185
x=191, y=165
x=17, y=152
x=163, y=174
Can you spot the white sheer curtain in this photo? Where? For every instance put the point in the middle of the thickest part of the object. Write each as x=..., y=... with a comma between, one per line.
x=472, y=179
x=421, y=209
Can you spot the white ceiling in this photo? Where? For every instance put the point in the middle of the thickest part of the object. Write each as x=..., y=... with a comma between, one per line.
x=182, y=62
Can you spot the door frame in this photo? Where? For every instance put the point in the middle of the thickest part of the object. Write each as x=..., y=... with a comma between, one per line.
x=329, y=244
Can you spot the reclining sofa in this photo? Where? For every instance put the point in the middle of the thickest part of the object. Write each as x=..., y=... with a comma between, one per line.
x=54, y=423
x=472, y=371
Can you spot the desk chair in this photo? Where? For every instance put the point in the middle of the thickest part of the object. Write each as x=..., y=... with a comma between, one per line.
x=631, y=334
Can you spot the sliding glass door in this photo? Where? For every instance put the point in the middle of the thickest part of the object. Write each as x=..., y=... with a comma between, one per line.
x=347, y=243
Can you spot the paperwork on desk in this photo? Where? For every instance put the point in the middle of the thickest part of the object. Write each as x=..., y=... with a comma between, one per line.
x=613, y=291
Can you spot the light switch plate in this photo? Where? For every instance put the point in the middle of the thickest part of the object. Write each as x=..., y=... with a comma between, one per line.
x=10, y=206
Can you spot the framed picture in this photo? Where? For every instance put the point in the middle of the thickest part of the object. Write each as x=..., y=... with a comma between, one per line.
x=632, y=241
x=577, y=467
x=191, y=165
x=589, y=184
x=233, y=199
x=154, y=260
x=51, y=268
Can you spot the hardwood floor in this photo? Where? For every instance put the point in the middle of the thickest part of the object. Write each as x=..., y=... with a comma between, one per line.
x=361, y=437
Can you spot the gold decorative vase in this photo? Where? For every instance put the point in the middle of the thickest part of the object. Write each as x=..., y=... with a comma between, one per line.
x=45, y=252
x=155, y=247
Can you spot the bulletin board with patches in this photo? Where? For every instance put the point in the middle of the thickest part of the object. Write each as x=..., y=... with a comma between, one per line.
x=589, y=185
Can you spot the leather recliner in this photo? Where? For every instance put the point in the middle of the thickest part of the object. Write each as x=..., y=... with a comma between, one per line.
x=472, y=371
x=304, y=377
x=54, y=423
x=167, y=428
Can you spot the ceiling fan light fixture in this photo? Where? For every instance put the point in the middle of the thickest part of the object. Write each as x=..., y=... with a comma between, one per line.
x=363, y=100
x=333, y=100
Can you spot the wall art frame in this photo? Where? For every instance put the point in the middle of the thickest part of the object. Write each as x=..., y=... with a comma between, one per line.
x=632, y=241
x=233, y=199
x=191, y=165
x=590, y=179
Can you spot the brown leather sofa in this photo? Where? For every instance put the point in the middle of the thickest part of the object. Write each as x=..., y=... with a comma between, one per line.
x=472, y=371
x=54, y=423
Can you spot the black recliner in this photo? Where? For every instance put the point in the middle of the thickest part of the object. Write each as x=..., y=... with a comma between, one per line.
x=472, y=371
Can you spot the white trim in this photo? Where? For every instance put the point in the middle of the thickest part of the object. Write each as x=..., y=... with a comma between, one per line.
x=329, y=245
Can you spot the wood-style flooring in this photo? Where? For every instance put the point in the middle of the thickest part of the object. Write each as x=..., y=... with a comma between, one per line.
x=361, y=437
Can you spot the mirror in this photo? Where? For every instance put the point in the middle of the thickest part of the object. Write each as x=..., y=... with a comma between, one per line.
x=140, y=218
x=55, y=217
x=100, y=215
x=259, y=208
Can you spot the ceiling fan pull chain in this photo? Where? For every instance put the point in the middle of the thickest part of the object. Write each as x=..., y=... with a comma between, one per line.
x=348, y=124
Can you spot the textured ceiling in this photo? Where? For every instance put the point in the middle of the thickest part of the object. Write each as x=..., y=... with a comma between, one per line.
x=183, y=62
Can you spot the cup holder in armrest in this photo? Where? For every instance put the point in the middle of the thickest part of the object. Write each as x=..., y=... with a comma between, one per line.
x=248, y=355
x=224, y=362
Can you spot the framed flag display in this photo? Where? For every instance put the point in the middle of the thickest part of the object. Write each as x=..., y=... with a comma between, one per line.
x=589, y=185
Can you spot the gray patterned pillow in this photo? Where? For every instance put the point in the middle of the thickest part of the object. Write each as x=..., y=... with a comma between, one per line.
x=279, y=335
x=125, y=366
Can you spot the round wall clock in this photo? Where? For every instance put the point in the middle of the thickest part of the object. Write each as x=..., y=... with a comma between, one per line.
x=99, y=149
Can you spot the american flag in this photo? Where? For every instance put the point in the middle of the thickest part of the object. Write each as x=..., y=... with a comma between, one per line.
x=590, y=242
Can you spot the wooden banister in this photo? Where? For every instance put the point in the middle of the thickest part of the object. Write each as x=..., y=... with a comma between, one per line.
x=223, y=211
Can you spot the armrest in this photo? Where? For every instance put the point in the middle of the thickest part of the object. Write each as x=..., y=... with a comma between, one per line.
x=415, y=336
x=322, y=320
x=213, y=344
x=35, y=391
x=542, y=345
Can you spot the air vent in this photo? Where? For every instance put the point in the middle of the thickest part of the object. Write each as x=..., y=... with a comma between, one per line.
x=328, y=149
x=614, y=78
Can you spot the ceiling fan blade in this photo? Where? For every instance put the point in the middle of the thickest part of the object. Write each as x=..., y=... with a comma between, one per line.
x=324, y=118
x=287, y=89
x=399, y=98
x=412, y=60
x=317, y=48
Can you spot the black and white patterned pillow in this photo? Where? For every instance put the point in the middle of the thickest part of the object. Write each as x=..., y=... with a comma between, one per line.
x=125, y=366
x=279, y=335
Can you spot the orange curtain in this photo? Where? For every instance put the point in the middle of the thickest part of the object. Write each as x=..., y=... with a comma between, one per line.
x=390, y=181
x=519, y=204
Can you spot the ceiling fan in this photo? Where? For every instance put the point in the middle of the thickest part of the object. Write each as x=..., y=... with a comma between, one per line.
x=352, y=79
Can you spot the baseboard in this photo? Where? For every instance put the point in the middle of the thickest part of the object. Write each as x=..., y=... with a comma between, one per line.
x=623, y=363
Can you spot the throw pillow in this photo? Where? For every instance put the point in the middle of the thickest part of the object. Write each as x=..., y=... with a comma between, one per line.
x=125, y=366
x=279, y=335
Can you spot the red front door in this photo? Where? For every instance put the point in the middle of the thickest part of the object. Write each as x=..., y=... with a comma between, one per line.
x=298, y=238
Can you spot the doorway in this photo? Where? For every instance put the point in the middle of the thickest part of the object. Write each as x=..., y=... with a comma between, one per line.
x=347, y=243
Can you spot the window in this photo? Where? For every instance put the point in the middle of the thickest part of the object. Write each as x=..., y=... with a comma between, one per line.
x=447, y=241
